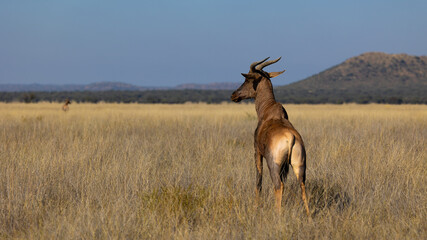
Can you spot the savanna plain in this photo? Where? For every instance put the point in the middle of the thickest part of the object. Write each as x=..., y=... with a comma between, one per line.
x=136, y=171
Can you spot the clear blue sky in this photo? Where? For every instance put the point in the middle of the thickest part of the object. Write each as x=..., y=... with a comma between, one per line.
x=169, y=42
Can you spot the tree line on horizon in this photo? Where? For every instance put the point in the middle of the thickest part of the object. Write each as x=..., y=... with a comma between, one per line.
x=283, y=95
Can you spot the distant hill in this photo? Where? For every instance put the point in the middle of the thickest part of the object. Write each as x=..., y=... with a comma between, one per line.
x=39, y=87
x=370, y=77
x=109, y=86
x=112, y=86
x=100, y=86
x=210, y=86
x=371, y=70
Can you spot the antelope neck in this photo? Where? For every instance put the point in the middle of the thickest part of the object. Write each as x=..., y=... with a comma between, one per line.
x=264, y=98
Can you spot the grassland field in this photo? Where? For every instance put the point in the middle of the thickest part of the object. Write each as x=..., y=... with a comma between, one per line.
x=141, y=171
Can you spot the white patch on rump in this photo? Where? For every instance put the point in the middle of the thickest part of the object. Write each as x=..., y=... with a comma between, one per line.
x=279, y=149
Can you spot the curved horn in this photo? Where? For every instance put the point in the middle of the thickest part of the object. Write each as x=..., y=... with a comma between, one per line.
x=265, y=64
x=254, y=64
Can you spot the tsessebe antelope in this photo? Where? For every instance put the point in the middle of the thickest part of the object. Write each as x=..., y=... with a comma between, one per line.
x=65, y=106
x=275, y=138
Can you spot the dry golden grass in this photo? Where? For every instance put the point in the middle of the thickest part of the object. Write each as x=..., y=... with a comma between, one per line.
x=131, y=171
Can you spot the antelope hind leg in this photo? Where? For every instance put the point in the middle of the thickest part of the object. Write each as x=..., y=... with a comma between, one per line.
x=278, y=184
x=259, y=168
x=300, y=174
x=298, y=166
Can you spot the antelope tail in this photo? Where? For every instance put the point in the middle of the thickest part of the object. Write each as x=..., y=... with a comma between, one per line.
x=291, y=145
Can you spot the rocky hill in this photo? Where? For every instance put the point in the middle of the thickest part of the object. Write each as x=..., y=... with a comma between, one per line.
x=370, y=77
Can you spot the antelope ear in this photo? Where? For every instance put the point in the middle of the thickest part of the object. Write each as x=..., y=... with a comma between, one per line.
x=249, y=75
x=275, y=74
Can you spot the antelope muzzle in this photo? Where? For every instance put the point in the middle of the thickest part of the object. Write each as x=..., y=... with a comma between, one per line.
x=235, y=97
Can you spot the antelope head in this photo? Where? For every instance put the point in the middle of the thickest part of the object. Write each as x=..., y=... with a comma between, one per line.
x=252, y=79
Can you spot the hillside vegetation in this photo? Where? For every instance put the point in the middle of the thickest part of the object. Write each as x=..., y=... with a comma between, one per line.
x=134, y=171
x=371, y=70
x=370, y=77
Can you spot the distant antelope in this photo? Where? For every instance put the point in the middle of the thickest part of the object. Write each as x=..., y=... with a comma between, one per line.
x=275, y=138
x=65, y=106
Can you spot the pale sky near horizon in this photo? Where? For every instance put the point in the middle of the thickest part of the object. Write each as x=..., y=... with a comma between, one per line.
x=166, y=43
